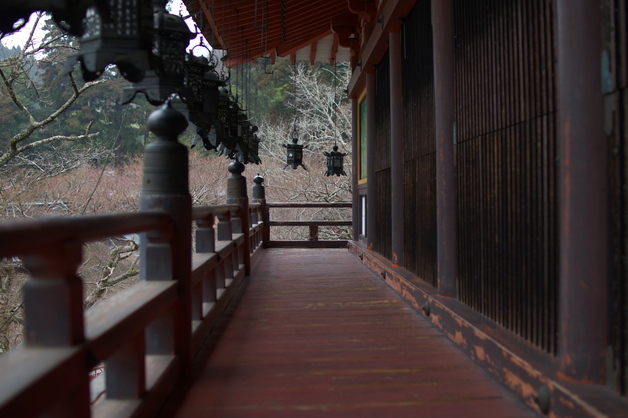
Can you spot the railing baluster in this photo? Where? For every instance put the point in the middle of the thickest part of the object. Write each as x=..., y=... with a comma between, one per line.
x=53, y=297
x=205, y=235
x=313, y=233
x=224, y=234
x=205, y=243
x=125, y=371
x=53, y=306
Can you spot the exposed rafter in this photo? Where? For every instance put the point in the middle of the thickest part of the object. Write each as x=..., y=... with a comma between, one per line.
x=313, y=30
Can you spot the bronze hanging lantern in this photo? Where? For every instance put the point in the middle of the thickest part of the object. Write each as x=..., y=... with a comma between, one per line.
x=335, y=162
x=201, y=98
x=67, y=14
x=167, y=74
x=294, y=157
x=229, y=140
x=221, y=126
x=122, y=37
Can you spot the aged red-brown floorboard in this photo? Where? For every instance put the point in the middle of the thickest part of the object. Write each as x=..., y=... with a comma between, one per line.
x=317, y=334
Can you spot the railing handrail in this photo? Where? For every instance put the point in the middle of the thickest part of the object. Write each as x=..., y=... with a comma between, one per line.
x=309, y=204
x=111, y=327
x=32, y=236
x=312, y=224
x=200, y=212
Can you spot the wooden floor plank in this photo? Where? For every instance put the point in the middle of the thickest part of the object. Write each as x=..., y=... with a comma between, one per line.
x=316, y=333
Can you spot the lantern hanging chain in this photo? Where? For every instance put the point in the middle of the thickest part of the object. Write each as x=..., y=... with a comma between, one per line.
x=295, y=132
x=334, y=106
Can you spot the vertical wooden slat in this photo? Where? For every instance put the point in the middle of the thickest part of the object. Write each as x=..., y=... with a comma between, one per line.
x=503, y=101
x=616, y=104
x=419, y=148
x=382, y=162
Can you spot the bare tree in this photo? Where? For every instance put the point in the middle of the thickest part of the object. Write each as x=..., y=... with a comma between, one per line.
x=321, y=116
x=18, y=77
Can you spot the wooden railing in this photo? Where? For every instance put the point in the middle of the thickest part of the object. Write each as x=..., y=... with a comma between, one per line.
x=148, y=336
x=313, y=225
x=141, y=334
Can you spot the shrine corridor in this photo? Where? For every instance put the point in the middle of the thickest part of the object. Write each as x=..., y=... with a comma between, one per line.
x=315, y=333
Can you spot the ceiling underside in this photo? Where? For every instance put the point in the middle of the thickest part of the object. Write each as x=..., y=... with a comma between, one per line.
x=308, y=30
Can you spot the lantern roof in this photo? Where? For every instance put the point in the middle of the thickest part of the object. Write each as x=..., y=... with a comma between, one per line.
x=309, y=30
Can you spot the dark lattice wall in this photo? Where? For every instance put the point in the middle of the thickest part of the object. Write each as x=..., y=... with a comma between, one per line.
x=615, y=87
x=419, y=144
x=506, y=163
x=382, y=157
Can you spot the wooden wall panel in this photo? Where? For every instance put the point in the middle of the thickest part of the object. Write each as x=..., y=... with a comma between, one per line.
x=419, y=144
x=615, y=87
x=506, y=163
x=382, y=157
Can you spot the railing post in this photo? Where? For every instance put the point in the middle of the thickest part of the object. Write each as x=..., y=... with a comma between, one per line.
x=313, y=233
x=225, y=234
x=259, y=196
x=53, y=306
x=236, y=193
x=206, y=243
x=163, y=257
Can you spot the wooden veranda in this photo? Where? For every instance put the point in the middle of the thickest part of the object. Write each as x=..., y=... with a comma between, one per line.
x=314, y=332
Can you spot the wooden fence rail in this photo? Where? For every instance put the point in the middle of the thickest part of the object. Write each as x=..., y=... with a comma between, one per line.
x=313, y=225
x=148, y=335
x=63, y=343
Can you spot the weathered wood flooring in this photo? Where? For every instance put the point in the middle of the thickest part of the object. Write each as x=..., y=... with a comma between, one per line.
x=316, y=333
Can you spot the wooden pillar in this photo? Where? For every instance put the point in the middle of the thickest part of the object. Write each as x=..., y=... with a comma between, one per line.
x=166, y=257
x=446, y=199
x=583, y=153
x=371, y=201
x=396, y=146
x=355, y=158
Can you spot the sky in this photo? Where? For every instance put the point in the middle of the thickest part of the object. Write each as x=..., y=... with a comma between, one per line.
x=18, y=38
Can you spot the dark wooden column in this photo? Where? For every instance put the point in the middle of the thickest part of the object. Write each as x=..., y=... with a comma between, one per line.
x=446, y=203
x=371, y=201
x=355, y=155
x=583, y=153
x=396, y=146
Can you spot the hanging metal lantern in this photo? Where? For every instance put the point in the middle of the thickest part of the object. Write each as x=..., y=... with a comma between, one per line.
x=167, y=75
x=335, y=162
x=254, y=146
x=229, y=140
x=122, y=37
x=220, y=126
x=294, y=157
x=201, y=98
x=67, y=14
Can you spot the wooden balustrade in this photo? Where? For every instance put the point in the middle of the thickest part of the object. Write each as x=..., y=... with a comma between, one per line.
x=149, y=335
x=313, y=225
x=63, y=343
